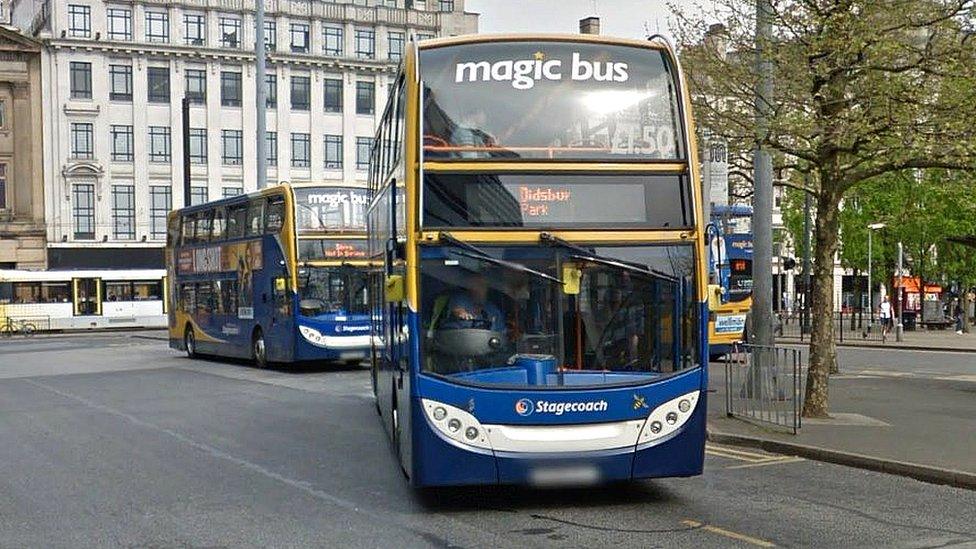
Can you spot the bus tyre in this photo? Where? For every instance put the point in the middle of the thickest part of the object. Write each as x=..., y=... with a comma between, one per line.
x=259, y=351
x=189, y=343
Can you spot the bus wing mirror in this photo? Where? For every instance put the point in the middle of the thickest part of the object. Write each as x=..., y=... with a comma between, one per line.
x=571, y=279
x=394, y=288
x=714, y=297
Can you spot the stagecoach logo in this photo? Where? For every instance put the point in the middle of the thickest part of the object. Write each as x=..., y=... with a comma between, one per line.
x=523, y=73
x=350, y=329
x=525, y=407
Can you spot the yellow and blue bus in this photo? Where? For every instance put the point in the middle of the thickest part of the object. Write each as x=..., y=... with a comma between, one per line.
x=540, y=316
x=278, y=275
x=731, y=267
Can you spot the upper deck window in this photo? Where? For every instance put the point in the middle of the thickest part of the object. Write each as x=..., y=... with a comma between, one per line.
x=549, y=100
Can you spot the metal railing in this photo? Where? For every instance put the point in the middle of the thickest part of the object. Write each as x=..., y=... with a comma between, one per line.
x=765, y=385
x=849, y=326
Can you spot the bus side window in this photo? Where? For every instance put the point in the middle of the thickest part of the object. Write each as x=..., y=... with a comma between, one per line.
x=236, y=221
x=204, y=223
x=274, y=215
x=219, y=225
x=255, y=218
x=189, y=227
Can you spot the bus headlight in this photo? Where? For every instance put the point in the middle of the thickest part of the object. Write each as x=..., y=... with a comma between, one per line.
x=312, y=335
x=456, y=424
x=667, y=418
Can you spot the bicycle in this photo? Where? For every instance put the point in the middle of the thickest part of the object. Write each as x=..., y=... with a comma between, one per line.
x=11, y=327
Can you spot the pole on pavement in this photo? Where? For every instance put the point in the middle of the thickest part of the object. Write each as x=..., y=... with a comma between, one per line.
x=185, y=112
x=900, y=327
x=762, y=206
x=870, y=301
x=806, y=263
x=260, y=97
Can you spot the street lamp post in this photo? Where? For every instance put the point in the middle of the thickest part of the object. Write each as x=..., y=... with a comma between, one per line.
x=899, y=329
x=871, y=228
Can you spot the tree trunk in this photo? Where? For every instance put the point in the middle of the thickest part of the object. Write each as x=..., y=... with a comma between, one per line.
x=823, y=354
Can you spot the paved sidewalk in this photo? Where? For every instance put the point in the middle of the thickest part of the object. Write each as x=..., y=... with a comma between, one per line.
x=919, y=339
x=899, y=421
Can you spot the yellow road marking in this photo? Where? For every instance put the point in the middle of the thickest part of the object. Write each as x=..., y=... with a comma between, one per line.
x=729, y=533
x=736, y=451
x=775, y=461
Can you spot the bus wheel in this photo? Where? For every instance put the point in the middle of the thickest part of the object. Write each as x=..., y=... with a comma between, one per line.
x=259, y=351
x=189, y=343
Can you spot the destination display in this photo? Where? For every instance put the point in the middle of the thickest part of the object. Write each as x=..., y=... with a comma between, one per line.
x=331, y=208
x=331, y=248
x=560, y=100
x=553, y=201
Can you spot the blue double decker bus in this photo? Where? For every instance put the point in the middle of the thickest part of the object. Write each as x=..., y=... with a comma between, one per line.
x=731, y=268
x=540, y=314
x=274, y=276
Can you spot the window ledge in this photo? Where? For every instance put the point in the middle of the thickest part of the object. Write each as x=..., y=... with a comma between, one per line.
x=78, y=108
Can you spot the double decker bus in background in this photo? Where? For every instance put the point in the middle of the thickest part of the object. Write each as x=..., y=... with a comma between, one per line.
x=259, y=276
x=730, y=267
x=540, y=316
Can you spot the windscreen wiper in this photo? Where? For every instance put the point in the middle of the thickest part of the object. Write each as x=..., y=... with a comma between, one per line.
x=586, y=255
x=475, y=252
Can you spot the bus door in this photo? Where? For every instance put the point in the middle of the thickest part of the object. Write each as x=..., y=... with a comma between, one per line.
x=87, y=296
x=281, y=316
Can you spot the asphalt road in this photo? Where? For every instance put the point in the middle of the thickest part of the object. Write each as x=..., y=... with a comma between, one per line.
x=116, y=441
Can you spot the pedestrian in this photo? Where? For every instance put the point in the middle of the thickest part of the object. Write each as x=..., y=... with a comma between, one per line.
x=884, y=311
x=959, y=315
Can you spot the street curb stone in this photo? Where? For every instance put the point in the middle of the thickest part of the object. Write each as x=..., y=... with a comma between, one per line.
x=924, y=473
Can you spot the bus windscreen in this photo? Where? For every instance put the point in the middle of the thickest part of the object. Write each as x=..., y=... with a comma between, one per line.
x=333, y=209
x=558, y=100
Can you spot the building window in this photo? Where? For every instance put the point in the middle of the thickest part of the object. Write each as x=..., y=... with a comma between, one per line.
x=83, y=210
x=365, y=97
x=159, y=144
x=301, y=150
x=230, y=32
x=82, y=140
x=271, y=144
x=333, y=94
x=230, y=89
x=424, y=36
x=333, y=152
x=119, y=23
x=445, y=5
x=157, y=26
x=158, y=84
x=299, y=38
x=124, y=212
x=79, y=21
x=228, y=192
x=198, y=195
x=365, y=43
x=120, y=80
x=160, y=203
x=300, y=93
x=363, y=147
x=332, y=40
x=233, y=153
x=81, y=84
x=271, y=90
x=195, y=29
x=122, y=144
x=198, y=145
x=196, y=86
x=270, y=35
x=3, y=113
x=3, y=186
x=396, y=40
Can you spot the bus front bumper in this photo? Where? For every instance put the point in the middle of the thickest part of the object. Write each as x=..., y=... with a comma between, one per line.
x=442, y=462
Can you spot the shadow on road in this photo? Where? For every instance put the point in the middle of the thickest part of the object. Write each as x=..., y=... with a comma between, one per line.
x=516, y=498
x=296, y=368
